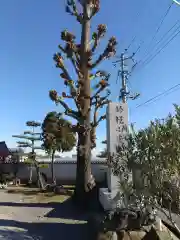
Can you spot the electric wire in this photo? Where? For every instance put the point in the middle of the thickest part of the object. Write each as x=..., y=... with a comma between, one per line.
x=132, y=41
x=159, y=27
x=140, y=63
x=161, y=49
x=162, y=38
x=138, y=49
x=138, y=15
x=164, y=93
x=152, y=56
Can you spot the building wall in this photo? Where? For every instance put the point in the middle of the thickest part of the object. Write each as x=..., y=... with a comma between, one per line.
x=65, y=172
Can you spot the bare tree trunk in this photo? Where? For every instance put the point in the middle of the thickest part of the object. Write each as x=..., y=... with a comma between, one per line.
x=83, y=172
x=31, y=166
x=39, y=177
x=30, y=174
x=52, y=168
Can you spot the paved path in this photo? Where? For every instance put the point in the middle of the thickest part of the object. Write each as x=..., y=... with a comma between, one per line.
x=20, y=219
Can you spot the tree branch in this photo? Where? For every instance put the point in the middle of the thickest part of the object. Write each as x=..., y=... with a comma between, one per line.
x=71, y=50
x=98, y=104
x=71, y=8
x=99, y=91
x=68, y=80
x=100, y=99
x=103, y=117
x=103, y=83
x=108, y=52
x=74, y=63
x=94, y=6
x=61, y=48
x=69, y=112
x=101, y=30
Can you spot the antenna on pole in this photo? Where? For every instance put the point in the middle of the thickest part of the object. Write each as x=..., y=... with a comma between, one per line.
x=124, y=74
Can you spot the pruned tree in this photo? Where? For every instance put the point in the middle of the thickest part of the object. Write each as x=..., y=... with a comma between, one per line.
x=103, y=154
x=104, y=142
x=152, y=157
x=85, y=94
x=57, y=136
x=15, y=159
x=30, y=137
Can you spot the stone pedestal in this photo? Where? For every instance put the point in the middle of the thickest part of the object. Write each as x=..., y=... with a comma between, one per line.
x=106, y=199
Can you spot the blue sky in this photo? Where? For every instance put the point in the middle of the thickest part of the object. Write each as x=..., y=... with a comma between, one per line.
x=30, y=33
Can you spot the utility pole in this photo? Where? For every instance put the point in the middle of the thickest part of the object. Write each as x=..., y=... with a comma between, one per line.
x=124, y=74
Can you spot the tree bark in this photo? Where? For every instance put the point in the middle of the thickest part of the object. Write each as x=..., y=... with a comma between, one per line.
x=83, y=172
x=31, y=166
x=39, y=178
x=52, y=168
x=30, y=174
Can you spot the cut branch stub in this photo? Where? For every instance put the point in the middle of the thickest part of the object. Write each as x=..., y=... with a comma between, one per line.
x=109, y=51
x=101, y=30
x=71, y=8
x=64, y=76
x=67, y=36
x=94, y=6
x=53, y=95
x=59, y=60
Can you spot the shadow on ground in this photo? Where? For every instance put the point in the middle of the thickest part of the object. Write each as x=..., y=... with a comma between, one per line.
x=10, y=229
x=23, y=191
x=65, y=210
x=32, y=192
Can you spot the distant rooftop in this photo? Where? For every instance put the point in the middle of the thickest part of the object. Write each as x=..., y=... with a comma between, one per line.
x=4, y=151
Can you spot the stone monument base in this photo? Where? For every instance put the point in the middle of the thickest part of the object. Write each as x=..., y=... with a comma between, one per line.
x=108, y=200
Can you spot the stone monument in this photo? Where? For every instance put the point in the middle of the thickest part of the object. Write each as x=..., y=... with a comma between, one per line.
x=117, y=127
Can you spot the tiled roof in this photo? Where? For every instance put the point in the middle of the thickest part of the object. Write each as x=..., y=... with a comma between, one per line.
x=68, y=160
x=72, y=162
x=4, y=151
x=63, y=162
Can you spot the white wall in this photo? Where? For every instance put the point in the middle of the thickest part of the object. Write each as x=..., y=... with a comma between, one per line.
x=67, y=171
x=64, y=171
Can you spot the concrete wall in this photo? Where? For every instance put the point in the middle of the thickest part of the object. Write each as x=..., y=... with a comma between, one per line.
x=65, y=171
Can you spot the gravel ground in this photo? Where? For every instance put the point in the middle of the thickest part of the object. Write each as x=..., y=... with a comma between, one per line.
x=21, y=219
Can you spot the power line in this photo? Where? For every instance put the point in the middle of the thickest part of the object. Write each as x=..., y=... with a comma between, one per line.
x=138, y=15
x=162, y=38
x=165, y=93
x=132, y=41
x=159, y=26
x=161, y=49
